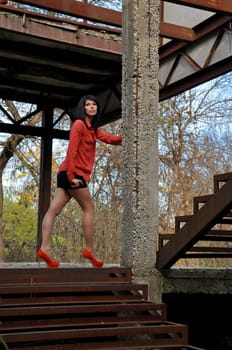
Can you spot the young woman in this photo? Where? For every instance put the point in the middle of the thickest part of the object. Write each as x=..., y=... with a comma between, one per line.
x=74, y=175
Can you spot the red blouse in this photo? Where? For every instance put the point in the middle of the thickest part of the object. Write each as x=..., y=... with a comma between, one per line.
x=82, y=148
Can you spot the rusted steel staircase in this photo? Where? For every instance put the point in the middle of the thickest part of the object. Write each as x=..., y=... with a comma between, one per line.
x=82, y=308
x=209, y=211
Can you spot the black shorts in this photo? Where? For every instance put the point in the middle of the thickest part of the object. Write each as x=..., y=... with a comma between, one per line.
x=63, y=181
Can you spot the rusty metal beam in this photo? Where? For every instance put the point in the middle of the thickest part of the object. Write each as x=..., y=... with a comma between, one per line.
x=223, y=6
x=195, y=79
x=173, y=31
x=168, y=30
x=68, y=35
x=98, y=14
x=54, y=19
x=201, y=30
x=78, y=9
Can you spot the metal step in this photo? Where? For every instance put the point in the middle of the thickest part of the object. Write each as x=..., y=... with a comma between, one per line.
x=156, y=334
x=64, y=316
x=71, y=293
x=66, y=274
x=220, y=179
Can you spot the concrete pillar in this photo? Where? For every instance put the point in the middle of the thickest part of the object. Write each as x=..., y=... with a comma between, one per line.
x=140, y=92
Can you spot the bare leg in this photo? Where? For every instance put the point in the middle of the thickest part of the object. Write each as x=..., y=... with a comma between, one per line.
x=83, y=197
x=61, y=197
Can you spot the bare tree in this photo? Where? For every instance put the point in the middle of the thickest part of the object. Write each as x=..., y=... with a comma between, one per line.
x=8, y=149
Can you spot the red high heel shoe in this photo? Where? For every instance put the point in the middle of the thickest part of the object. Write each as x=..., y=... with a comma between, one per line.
x=50, y=263
x=96, y=263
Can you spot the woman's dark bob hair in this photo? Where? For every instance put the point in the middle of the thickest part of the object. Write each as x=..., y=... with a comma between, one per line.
x=78, y=111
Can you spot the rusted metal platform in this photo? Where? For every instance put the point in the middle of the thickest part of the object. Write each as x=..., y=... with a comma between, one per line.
x=58, y=51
